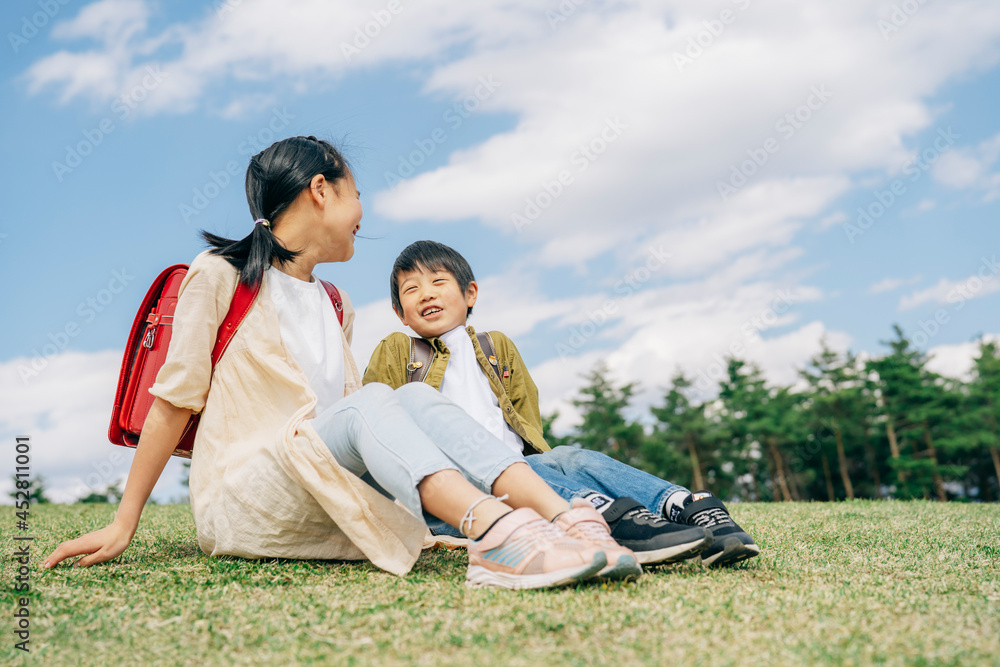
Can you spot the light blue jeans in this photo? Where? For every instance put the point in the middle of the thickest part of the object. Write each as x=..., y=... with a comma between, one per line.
x=574, y=473
x=394, y=439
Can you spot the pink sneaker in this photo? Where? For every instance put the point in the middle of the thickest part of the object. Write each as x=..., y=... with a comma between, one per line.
x=523, y=550
x=586, y=524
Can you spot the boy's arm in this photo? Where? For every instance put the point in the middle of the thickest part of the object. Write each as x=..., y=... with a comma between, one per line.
x=388, y=362
x=522, y=390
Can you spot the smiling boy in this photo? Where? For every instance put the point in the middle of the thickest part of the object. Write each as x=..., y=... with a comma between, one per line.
x=433, y=291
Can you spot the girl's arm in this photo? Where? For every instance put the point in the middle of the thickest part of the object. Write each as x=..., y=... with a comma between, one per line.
x=160, y=435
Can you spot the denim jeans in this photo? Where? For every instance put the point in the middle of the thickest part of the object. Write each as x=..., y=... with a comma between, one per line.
x=396, y=438
x=575, y=473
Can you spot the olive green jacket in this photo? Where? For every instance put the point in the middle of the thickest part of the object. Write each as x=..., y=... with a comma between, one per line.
x=516, y=393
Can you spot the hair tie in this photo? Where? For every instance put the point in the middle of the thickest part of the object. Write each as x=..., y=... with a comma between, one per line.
x=262, y=221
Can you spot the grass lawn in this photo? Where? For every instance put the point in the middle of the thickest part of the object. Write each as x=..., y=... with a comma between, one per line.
x=848, y=583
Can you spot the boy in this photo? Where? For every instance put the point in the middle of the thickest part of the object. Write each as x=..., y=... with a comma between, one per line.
x=433, y=291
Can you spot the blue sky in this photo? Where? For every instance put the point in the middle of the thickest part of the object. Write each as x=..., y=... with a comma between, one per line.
x=649, y=183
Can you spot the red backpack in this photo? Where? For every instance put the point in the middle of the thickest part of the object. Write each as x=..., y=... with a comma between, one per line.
x=147, y=346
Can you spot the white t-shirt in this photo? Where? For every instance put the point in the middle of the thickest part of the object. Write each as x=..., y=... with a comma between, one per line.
x=468, y=387
x=310, y=331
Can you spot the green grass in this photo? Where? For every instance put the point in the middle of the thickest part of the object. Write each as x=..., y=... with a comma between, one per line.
x=849, y=583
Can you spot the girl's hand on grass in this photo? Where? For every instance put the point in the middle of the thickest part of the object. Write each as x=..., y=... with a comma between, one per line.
x=101, y=545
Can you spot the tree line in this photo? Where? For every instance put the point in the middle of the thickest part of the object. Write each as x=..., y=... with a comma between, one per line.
x=885, y=427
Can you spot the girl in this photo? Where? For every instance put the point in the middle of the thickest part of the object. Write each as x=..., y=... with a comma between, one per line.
x=287, y=432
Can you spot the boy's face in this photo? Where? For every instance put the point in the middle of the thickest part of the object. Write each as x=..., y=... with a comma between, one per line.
x=433, y=303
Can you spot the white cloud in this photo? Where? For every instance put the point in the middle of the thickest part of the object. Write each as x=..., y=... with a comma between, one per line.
x=690, y=326
x=710, y=115
x=972, y=168
x=949, y=292
x=832, y=220
x=299, y=43
x=958, y=169
x=767, y=214
x=65, y=409
x=956, y=361
x=112, y=22
x=892, y=284
x=247, y=105
x=96, y=74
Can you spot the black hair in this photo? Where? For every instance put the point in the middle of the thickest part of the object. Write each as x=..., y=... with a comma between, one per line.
x=275, y=178
x=431, y=256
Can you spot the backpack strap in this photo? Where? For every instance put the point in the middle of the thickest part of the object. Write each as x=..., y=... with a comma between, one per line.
x=338, y=302
x=243, y=301
x=486, y=343
x=421, y=355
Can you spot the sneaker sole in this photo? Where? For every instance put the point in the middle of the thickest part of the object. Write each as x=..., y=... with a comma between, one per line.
x=673, y=554
x=445, y=542
x=733, y=551
x=627, y=567
x=478, y=576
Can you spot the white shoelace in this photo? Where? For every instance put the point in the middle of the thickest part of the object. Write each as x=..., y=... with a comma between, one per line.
x=470, y=518
x=642, y=512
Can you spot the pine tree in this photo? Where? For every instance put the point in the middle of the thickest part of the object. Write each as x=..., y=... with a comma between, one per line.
x=836, y=401
x=604, y=427
x=757, y=420
x=680, y=448
x=785, y=429
x=911, y=399
x=984, y=410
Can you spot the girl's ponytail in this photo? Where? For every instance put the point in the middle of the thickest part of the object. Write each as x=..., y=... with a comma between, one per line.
x=274, y=179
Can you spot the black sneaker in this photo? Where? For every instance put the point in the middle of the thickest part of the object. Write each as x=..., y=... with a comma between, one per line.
x=652, y=538
x=731, y=543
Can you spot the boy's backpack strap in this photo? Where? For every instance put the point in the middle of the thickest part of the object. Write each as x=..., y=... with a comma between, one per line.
x=421, y=355
x=486, y=343
x=338, y=301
